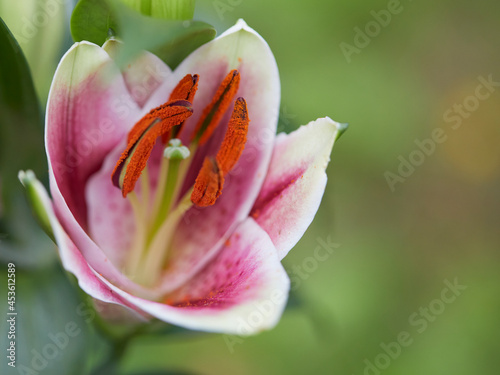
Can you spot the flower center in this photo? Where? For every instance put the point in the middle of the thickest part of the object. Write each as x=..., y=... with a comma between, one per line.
x=148, y=256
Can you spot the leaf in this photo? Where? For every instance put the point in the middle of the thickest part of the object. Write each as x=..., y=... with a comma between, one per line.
x=33, y=187
x=21, y=124
x=92, y=20
x=171, y=40
x=166, y=9
x=21, y=147
x=52, y=330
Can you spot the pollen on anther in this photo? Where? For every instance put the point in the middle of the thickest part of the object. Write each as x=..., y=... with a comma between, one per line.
x=185, y=90
x=210, y=181
x=208, y=185
x=236, y=136
x=213, y=113
x=142, y=139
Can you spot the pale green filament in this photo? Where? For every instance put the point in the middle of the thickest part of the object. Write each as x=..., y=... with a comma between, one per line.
x=164, y=206
x=139, y=242
x=145, y=192
x=160, y=188
x=183, y=169
x=155, y=259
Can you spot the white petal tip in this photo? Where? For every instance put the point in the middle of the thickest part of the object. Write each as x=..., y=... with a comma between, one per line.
x=241, y=23
x=111, y=42
x=340, y=127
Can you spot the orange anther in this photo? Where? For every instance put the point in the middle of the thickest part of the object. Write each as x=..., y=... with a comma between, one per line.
x=185, y=90
x=142, y=139
x=208, y=185
x=210, y=181
x=236, y=136
x=212, y=114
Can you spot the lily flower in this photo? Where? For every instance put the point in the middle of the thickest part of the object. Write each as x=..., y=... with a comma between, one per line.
x=172, y=197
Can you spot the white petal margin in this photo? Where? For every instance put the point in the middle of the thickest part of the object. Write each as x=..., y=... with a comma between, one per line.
x=295, y=182
x=241, y=303
x=143, y=75
x=73, y=261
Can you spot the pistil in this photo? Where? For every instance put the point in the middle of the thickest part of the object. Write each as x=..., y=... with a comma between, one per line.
x=173, y=155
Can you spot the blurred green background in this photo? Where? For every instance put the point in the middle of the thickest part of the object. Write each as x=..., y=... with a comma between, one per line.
x=398, y=247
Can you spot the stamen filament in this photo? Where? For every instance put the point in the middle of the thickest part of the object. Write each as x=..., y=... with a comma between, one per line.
x=145, y=190
x=157, y=256
x=183, y=170
x=136, y=251
x=167, y=196
x=160, y=188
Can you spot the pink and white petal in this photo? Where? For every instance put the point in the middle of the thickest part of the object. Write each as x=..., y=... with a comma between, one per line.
x=73, y=261
x=143, y=75
x=119, y=313
x=295, y=182
x=242, y=291
x=89, y=111
x=112, y=223
x=90, y=252
x=242, y=48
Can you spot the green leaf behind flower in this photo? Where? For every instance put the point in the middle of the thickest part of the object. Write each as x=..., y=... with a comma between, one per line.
x=93, y=20
x=21, y=147
x=21, y=120
x=171, y=40
x=166, y=9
